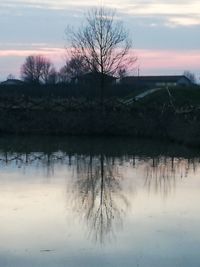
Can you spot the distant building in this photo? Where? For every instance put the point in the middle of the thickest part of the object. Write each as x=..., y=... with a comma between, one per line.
x=156, y=81
x=93, y=78
x=12, y=82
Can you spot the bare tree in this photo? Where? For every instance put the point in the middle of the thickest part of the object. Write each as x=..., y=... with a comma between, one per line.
x=10, y=77
x=99, y=195
x=52, y=76
x=63, y=75
x=36, y=69
x=122, y=73
x=103, y=43
x=75, y=66
x=47, y=70
x=190, y=76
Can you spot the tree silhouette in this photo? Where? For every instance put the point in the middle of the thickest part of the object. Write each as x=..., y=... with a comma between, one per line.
x=73, y=68
x=99, y=196
x=103, y=43
x=37, y=69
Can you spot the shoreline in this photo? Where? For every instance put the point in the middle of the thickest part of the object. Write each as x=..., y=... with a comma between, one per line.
x=137, y=123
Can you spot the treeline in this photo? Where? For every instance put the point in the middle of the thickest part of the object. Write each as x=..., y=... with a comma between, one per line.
x=101, y=46
x=40, y=78
x=67, y=90
x=38, y=69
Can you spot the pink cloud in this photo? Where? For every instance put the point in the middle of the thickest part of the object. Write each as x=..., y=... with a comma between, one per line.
x=168, y=59
x=12, y=59
x=150, y=61
x=50, y=52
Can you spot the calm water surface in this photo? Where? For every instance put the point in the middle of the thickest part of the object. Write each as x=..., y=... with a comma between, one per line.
x=79, y=202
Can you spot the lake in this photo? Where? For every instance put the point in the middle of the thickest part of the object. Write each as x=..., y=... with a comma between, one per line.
x=83, y=202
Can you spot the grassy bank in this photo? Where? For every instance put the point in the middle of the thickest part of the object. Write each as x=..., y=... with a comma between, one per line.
x=138, y=122
x=175, y=117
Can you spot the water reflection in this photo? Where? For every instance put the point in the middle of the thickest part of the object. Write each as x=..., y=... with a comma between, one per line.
x=97, y=186
x=162, y=173
x=99, y=195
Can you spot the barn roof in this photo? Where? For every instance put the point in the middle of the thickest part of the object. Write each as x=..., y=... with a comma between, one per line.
x=12, y=82
x=166, y=78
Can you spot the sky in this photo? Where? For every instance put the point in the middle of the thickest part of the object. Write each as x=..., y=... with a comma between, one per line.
x=165, y=34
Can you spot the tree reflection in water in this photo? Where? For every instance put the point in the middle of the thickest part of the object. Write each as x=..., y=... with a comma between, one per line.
x=163, y=172
x=97, y=192
x=100, y=196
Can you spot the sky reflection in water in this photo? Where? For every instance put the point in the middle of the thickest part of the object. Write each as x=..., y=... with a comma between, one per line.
x=98, y=203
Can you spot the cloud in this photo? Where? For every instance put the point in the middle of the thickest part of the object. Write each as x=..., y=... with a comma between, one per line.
x=183, y=21
x=37, y=27
x=23, y=53
x=168, y=61
x=150, y=61
x=176, y=13
x=152, y=8
x=12, y=59
x=137, y=7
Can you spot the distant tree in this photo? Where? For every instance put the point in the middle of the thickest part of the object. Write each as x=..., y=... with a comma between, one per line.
x=75, y=66
x=10, y=77
x=47, y=70
x=63, y=76
x=103, y=43
x=36, y=69
x=190, y=76
x=52, y=77
x=122, y=73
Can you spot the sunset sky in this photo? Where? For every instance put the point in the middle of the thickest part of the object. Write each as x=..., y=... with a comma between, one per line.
x=165, y=34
